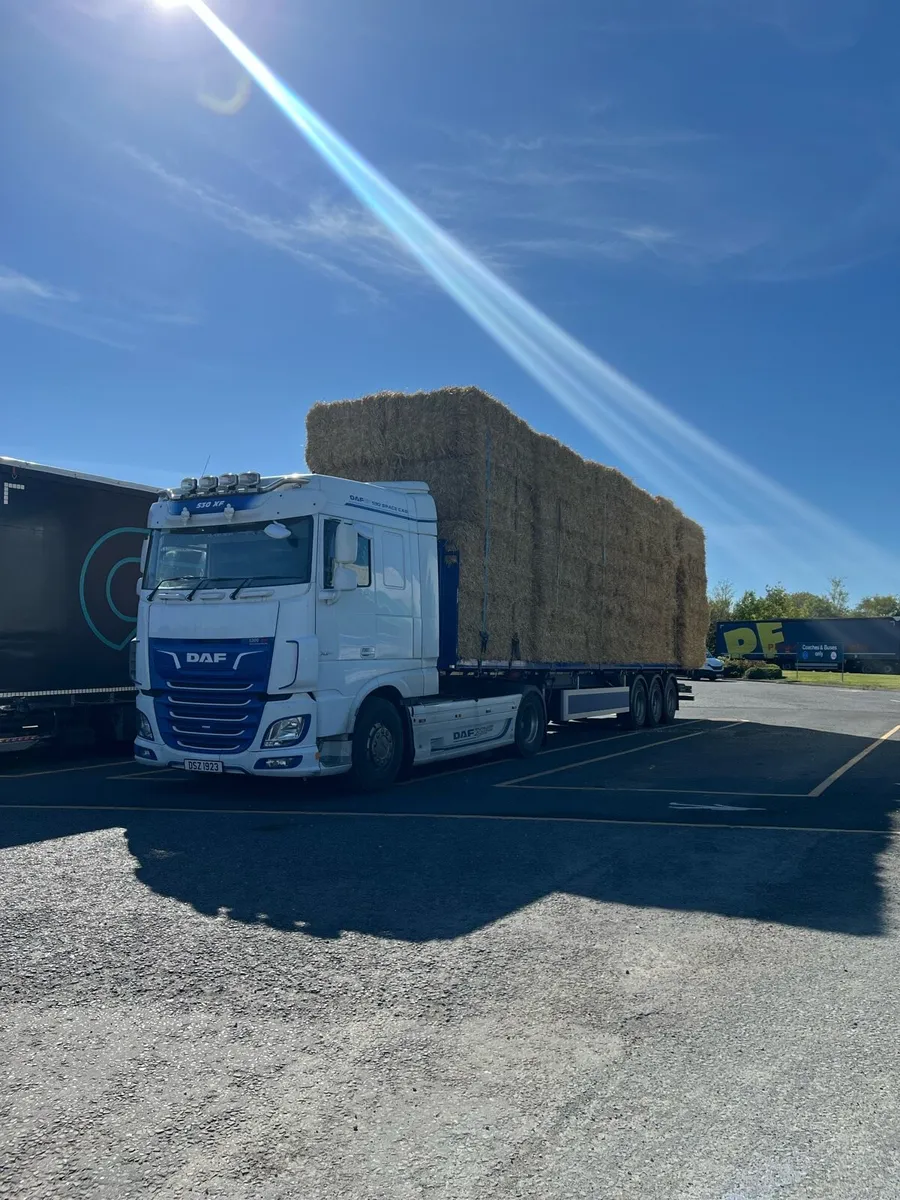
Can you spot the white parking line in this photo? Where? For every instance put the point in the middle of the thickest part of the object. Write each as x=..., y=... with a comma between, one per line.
x=653, y=791
x=157, y=771
x=717, y=807
x=493, y=762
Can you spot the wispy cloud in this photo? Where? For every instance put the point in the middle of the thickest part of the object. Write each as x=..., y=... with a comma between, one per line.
x=334, y=239
x=54, y=307
x=680, y=199
x=813, y=26
x=20, y=291
x=119, y=323
x=810, y=26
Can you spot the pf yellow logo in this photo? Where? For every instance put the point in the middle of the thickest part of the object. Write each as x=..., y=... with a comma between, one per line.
x=763, y=635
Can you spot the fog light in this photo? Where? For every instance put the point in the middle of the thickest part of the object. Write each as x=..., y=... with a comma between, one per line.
x=278, y=764
x=144, y=728
x=288, y=731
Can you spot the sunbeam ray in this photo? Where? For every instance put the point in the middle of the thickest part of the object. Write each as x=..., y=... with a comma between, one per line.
x=757, y=520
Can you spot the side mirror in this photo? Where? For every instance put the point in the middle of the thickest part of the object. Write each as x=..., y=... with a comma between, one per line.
x=276, y=530
x=346, y=544
x=139, y=584
x=345, y=579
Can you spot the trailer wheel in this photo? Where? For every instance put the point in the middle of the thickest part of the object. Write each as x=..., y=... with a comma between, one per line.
x=531, y=724
x=636, y=717
x=377, y=752
x=655, y=702
x=670, y=700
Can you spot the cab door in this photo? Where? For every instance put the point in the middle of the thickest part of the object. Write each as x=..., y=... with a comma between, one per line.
x=393, y=596
x=345, y=620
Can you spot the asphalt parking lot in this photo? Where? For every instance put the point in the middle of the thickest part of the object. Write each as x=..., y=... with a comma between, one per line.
x=660, y=964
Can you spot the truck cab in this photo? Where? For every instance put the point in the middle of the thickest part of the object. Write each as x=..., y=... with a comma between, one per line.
x=272, y=609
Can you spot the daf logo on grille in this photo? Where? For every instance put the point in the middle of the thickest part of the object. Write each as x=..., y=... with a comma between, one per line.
x=205, y=657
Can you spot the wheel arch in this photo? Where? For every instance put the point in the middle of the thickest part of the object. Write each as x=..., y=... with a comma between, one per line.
x=397, y=691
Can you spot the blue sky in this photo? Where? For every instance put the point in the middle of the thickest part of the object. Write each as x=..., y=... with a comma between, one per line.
x=702, y=192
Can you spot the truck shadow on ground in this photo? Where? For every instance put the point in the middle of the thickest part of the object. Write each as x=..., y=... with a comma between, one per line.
x=425, y=877
x=420, y=877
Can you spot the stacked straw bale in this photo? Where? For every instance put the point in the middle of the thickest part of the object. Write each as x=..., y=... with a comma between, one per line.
x=582, y=565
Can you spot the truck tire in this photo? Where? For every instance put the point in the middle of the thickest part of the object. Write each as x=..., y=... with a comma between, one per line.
x=377, y=746
x=655, y=702
x=636, y=717
x=531, y=724
x=670, y=700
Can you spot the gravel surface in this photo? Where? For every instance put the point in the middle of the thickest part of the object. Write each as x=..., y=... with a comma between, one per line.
x=227, y=1004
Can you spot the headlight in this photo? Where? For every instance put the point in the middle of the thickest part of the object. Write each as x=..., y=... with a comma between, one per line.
x=144, y=728
x=286, y=732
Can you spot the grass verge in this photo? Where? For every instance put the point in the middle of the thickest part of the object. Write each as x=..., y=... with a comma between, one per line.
x=890, y=683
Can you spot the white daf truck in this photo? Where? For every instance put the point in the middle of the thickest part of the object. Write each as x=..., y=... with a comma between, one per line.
x=304, y=625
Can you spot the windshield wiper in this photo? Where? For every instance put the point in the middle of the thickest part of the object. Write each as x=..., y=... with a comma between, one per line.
x=207, y=579
x=171, y=579
x=257, y=580
x=242, y=584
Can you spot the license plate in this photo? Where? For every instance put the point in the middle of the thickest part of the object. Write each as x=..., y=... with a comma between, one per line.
x=202, y=764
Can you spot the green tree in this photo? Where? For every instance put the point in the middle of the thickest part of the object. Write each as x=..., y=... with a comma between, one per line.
x=776, y=604
x=839, y=596
x=810, y=604
x=746, y=607
x=721, y=605
x=877, y=606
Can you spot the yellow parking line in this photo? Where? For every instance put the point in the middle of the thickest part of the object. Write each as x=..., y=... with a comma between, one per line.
x=850, y=763
x=419, y=816
x=587, y=762
x=62, y=770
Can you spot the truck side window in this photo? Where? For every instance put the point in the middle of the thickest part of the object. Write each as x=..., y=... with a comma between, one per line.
x=394, y=566
x=362, y=566
x=363, y=562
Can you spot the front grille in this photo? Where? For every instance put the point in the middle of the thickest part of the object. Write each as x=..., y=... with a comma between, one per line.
x=211, y=711
x=208, y=717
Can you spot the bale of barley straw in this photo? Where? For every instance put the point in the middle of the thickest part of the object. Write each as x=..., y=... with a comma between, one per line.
x=582, y=565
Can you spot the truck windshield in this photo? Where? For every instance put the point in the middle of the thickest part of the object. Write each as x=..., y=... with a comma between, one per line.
x=185, y=558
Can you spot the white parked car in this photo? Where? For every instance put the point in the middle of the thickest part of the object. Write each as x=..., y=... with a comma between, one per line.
x=712, y=668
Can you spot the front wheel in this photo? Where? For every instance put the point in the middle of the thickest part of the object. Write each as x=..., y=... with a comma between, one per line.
x=531, y=724
x=377, y=753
